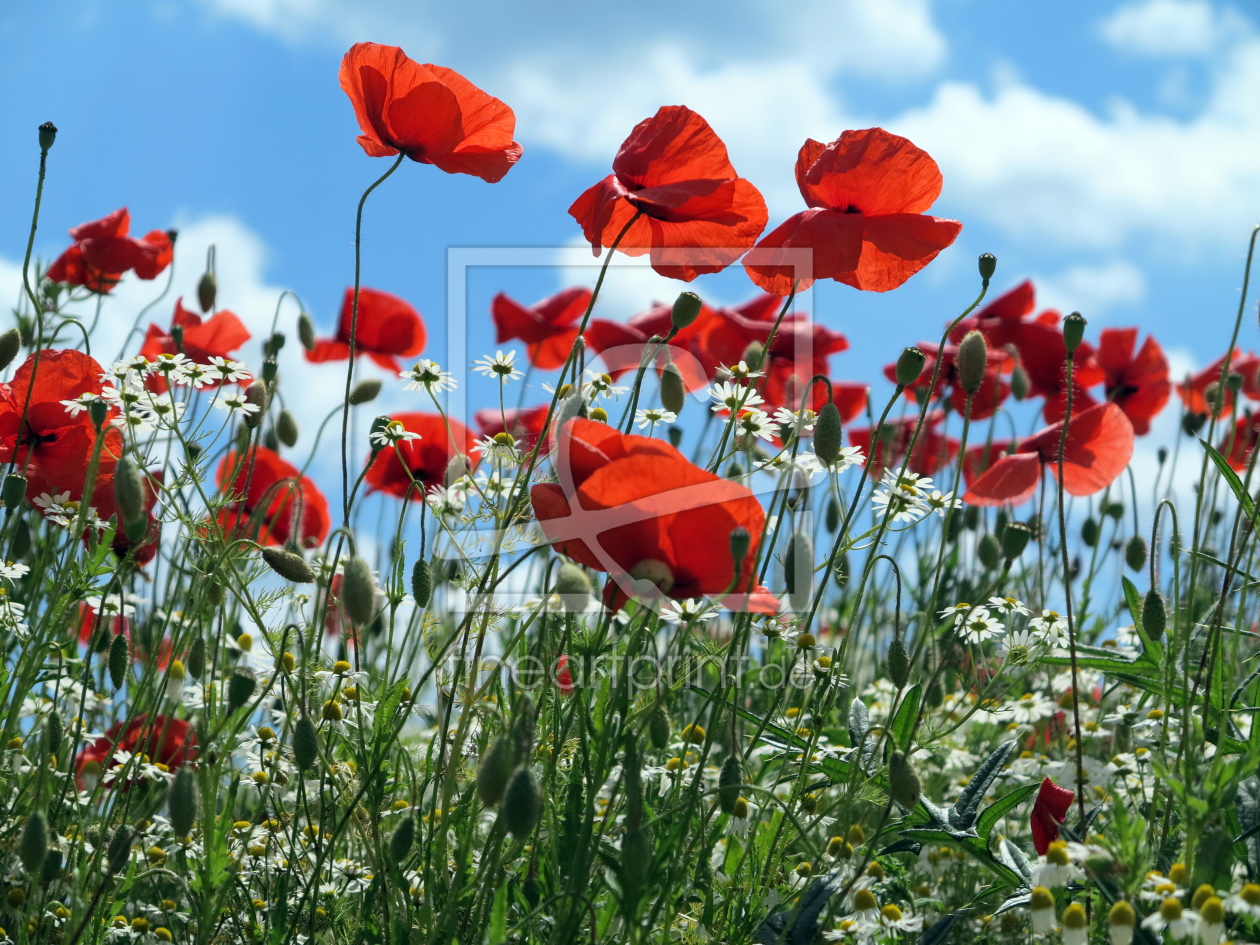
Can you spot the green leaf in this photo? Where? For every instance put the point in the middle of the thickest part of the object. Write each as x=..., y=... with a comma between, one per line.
x=1001, y=807
x=498, y=917
x=903, y=723
x=1231, y=478
x=383, y=723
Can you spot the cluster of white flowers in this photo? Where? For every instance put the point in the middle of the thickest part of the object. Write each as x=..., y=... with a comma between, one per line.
x=909, y=497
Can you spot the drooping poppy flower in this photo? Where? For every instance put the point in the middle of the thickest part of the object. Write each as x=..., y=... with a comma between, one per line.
x=1193, y=390
x=165, y=740
x=103, y=252
x=622, y=345
x=1237, y=445
x=277, y=494
x=430, y=113
x=54, y=446
x=933, y=451
x=698, y=215
x=1099, y=446
x=1138, y=383
x=427, y=458
x=218, y=336
x=635, y=508
x=991, y=394
x=548, y=328
x=388, y=328
x=868, y=193
x=564, y=678
x=525, y=425
x=1049, y=811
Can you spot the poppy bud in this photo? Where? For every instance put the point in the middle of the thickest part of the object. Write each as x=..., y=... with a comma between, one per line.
x=270, y=368
x=971, y=517
x=988, y=265
x=1019, y=382
x=54, y=728
x=1212, y=394
x=673, y=393
x=306, y=332
x=955, y=526
x=421, y=582
x=182, y=801
x=798, y=569
x=1234, y=381
x=1135, y=553
x=305, y=743
x=659, y=728
x=119, y=660
x=1073, y=332
x=10, y=345
x=1192, y=423
x=523, y=728
x=256, y=395
x=14, y=490
x=1089, y=532
x=753, y=355
x=636, y=859
x=522, y=803
x=686, y=309
x=287, y=428
x=289, y=565
x=98, y=412
x=240, y=687
x=274, y=344
x=973, y=356
x=495, y=770
x=675, y=436
x=365, y=391
x=739, y=541
x=1154, y=614
x=207, y=289
x=909, y=366
x=898, y=663
x=400, y=843
x=34, y=844
x=358, y=591
x=196, y=662
x=51, y=868
x=128, y=490
x=21, y=540
x=989, y=551
x=136, y=529
x=832, y=515
x=1014, y=540
x=934, y=696
x=574, y=588
x=903, y=783
x=47, y=135
x=827, y=434
x=730, y=781
x=119, y=851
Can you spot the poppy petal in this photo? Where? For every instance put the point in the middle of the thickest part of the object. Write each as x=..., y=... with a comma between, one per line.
x=871, y=171
x=1011, y=479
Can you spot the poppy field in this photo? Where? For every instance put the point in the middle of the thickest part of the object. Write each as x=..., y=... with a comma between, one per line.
x=701, y=644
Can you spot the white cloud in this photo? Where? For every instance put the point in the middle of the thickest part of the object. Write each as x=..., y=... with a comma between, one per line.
x=1169, y=28
x=1092, y=290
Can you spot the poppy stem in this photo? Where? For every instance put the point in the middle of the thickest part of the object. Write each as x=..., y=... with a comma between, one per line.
x=354, y=322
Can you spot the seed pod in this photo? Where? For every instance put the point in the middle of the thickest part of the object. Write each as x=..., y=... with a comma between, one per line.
x=1014, y=540
x=989, y=551
x=971, y=517
x=182, y=801
x=51, y=868
x=47, y=135
x=207, y=289
x=400, y=843
x=495, y=770
x=306, y=332
x=658, y=728
x=739, y=541
x=827, y=434
x=34, y=844
x=289, y=565
x=241, y=686
x=10, y=345
x=14, y=490
x=287, y=428
x=305, y=743
x=729, y=782
x=898, y=663
x=1020, y=383
x=256, y=395
x=21, y=540
x=54, y=729
x=636, y=860
x=1073, y=332
x=1089, y=532
x=365, y=391
x=522, y=803
x=119, y=850
x=675, y=436
x=421, y=582
x=909, y=366
x=196, y=663
x=673, y=392
x=832, y=520
x=798, y=569
x=128, y=490
x=1135, y=553
x=119, y=660
x=903, y=783
x=686, y=310
x=988, y=265
x=1154, y=614
x=574, y=588
x=753, y=355
x=973, y=361
x=358, y=591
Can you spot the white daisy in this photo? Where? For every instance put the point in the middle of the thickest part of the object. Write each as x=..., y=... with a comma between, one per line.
x=1050, y=628
x=651, y=416
x=427, y=375
x=687, y=611
x=979, y=626
x=234, y=403
x=728, y=396
x=502, y=366
x=1007, y=606
x=391, y=433
x=229, y=370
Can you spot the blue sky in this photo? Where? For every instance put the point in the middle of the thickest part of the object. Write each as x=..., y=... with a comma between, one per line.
x=1108, y=150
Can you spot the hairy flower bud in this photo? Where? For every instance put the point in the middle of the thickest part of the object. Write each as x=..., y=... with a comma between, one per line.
x=673, y=392
x=898, y=663
x=636, y=859
x=1019, y=382
x=10, y=345
x=740, y=541
x=753, y=355
x=305, y=743
x=827, y=434
x=686, y=310
x=256, y=395
x=659, y=728
x=832, y=515
x=358, y=591
x=1073, y=332
x=400, y=843
x=1135, y=553
x=119, y=660
x=182, y=801
x=973, y=361
x=798, y=570
x=54, y=729
x=128, y=490
x=903, y=782
x=1015, y=539
x=119, y=850
x=47, y=135
x=207, y=290
x=241, y=685
x=14, y=490
x=421, y=582
x=495, y=770
x=574, y=588
x=988, y=265
x=365, y=391
x=196, y=663
x=289, y=565
x=989, y=551
x=33, y=846
x=522, y=803
x=1154, y=614
x=730, y=781
x=909, y=366
x=306, y=332
x=1089, y=532
x=287, y=431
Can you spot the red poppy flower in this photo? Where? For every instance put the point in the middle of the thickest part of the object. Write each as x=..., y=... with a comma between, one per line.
x=217, y=336
x=1049, y=811
x=388, y=328
x=87, y=624
x=430, y=113
x=103, y=502
x=1138, y=383
x=103, y=252
x=548, y=328
x=635, y=508
x=426, y=458
x=622, y=345
x=980, y=458
x=993, y=389
x=933, y=452
x=867, y=192
x=165, y=740
x=1237, y=445
x=698, y=215
x=277, y=493
x=1193, y=389
x=55, y=447
x=1099, y=446
x=525, y=425
x=564, y=678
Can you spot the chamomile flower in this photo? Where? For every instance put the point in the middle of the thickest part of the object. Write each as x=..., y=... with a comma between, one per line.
x=731, y=397
x=198, y=375
x=979, y=626
x=739, y=372
x=450, y=501
x=171, y=366
x=789, y=418
x=1171, y=916
x=601, y=385
x=391, y=433
x=229, y=370
x=939, y=502
x=754, y=424
x=959, y=612
x=687, y=611
x=499, y=448
x=1050, y=628
x=503, y=366
x=427, y=375
x=81, y=403
x=651, y=416
x=1007, y=606
x=235, y=403
x=1019, y=647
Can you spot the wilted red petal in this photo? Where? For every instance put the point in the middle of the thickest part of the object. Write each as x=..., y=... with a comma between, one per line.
x=1049, y=811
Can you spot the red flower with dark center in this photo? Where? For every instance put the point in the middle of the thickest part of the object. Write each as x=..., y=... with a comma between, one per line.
x=1099, y=446
x=277, y=493
x=548, y=328
x=867, y=227
x=53, y=447
x=218, y=336
x=932, y=452
x=1193, y=390
x=430, y=113
x=103, y=252
x=525, y=425
x=635, y=508
x=1137, y=382
x=388, y=328
x=1049, y=811
x=698, y=215
x=165, y=740
x=427, y=458
x=984, y=403
x=622, y=345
